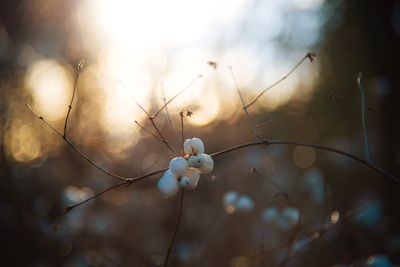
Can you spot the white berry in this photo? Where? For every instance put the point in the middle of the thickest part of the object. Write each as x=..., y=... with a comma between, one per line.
x=208, y=164
x=168, y=184
x=178, y=166
x=193, y=146
x=196, y=161
x=190, y=180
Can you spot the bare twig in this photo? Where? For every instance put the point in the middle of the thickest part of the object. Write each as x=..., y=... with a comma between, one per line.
x=344, y=99
x=69, y=142
x=319, y=147
x=148, y=131
x=182, y=132
x=178, y=94
x=252, y=125
x=278, y=142
x=309, y=56
x=160, y=135
x=178, y=222
x=79, y=69
x=109, y=188
x=167, y=111
x=363, y=117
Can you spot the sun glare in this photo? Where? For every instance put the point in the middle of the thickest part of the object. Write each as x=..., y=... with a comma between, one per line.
x=50, y=86
x=157, y=23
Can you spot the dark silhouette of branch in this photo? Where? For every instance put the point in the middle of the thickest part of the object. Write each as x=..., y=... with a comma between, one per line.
x=244, y=107
x=178, y=94
x=309, y=56
x=178, y=222
x=72, y=145
x=363, y=117
x=79, y=69
x=344, y=99
x=280, y=142
x=109, y=188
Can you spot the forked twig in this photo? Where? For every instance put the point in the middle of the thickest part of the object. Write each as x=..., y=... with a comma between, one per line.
x=309, y=56
x=79, y=69
x=178, y=94
x=72, y=145
x=344, y=99
x=252, y=125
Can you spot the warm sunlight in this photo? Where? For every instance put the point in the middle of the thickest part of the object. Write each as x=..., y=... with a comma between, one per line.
x=50, y=86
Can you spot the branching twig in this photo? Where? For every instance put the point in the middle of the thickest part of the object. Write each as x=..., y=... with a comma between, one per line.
x=107, y=189
x=363, y=117
x=69, y=142
x=178, y=222
x=309, y=56
x=178, y=94
x=278, y=142
x=252, y=125
x=336, y=96
x=79, y=69
x=167, y=111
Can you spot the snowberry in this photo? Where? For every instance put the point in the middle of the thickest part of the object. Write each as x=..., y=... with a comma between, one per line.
x=168, y=184
x=245, y=203
x=208, y=164
x=190, y=180
x=178, y=166
x=196, y=161
x=193, y=146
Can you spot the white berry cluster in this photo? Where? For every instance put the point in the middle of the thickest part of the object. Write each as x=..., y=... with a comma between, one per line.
x=185, y=171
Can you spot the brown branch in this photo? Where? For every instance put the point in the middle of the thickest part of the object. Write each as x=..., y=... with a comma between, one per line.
x=253, y=127
x=148, y=131
x=278, y=142
x=69, y=142
x=178, y=94
x=309, y=56
x=344, y=99
x=182, y=133
x=79, y=69
x=178, y=222
x=107, y=189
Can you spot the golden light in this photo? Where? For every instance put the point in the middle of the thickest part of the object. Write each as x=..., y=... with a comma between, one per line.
x=156, y=23
x=51, y=87
x=21, y=144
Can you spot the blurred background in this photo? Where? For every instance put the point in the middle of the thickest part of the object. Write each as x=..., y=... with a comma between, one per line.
x=147, y=51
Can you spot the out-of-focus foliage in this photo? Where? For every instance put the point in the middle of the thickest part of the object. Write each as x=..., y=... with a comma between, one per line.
x=147, y=51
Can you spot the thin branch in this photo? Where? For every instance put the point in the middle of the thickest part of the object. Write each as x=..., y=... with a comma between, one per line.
x=252, y=125
x=182, y=132
x=178, y=222
x=160, y=135
x=363, y=117
x=344, y=99
x=69, y=142
x=278, y=142
x=167, y=111
x=79, y=69
x=309, y=56
x=148, y=131
x=107, y=189
x=319, y=147
x=134, y=99
x=178, y=94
